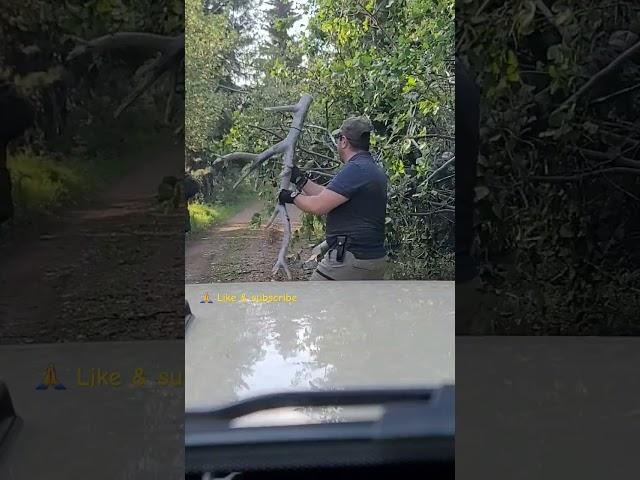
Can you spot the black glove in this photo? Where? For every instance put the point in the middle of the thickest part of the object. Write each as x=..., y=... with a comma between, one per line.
x=286, y=196
x=298, y=177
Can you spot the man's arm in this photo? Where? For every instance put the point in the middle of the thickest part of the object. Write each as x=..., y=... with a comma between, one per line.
x=304, y=183
x=312, y=188
x=320, y=204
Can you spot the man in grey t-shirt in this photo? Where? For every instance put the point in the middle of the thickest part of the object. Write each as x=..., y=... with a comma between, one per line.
x=355, y=203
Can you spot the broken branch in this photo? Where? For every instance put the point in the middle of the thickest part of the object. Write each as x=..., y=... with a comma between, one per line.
x=285, y=108
x=613, y=66
x=171, y=48
x=582, y=176
x=145, y=42
x=260, y=159
x=248, y=157
x=280, y=137
x=287, y=147
x=440, y=168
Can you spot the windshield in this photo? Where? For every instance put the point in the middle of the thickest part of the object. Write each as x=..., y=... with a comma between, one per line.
x=352, y=334
x=320, y=234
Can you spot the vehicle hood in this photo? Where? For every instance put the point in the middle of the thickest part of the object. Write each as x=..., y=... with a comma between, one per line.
x=333, y=335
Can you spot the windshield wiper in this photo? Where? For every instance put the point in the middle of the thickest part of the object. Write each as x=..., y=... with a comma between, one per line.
x=418, y=425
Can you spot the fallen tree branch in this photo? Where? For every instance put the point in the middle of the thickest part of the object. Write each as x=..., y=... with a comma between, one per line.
x=287, y=147
x=300, y=113
x=167, y=61
x=231, y=157
x=280, y=137
x=171, y=48
x=615, y=94
x=277, y=149
x=581, y=176
x=149, y=43
x=231, y=89
x=440, y=168
x=613, y=66
x=284, y=108
x=618, y=161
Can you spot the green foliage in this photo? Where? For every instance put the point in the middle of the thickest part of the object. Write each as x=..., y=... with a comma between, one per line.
x=256, y=221
x=37, y=36
x=313, y=226
x=209, y=41
x=565, y=235
x=205, y=214
x=389, y=60
x=42, y=184
x=75, y=138
x=393, y=61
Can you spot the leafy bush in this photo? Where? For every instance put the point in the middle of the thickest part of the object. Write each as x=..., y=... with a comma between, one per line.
x=392, y=61
x=550, y=192
x=42, y=184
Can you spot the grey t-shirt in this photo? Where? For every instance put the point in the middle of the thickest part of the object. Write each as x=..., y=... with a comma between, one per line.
x=362, y=217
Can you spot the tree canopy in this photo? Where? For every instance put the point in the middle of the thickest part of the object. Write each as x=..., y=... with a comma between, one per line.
x=390, y=60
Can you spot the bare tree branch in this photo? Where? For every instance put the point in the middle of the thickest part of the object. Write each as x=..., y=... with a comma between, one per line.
x=260, y=159
x=613, y=66
x=171, y=48
x=618, y=161
x=280, y=137
x=284, y=108
x=440, y=168
x=170, y=59
x=144, y=42
x=232, y=157
x=583, y=175
x=231, y=89
x=287, y=147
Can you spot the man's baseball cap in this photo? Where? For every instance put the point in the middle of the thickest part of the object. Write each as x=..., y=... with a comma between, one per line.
x=355, y=128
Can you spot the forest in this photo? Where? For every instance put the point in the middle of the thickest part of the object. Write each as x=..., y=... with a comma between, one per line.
x=91, y=123
x=390, y=60
x=558, y=187
x=84, y=123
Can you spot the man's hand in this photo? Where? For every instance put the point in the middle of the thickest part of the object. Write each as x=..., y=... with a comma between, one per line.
x=286, y=196
x=298, y=178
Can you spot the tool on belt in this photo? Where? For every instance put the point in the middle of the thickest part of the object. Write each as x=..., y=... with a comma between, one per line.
x=341, y=244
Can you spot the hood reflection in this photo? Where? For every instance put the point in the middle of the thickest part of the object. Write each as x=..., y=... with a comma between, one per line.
x=337, y=335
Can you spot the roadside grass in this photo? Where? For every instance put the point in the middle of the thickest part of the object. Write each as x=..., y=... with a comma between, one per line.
x=71, y=172
x=43, y=183
x=203, y=215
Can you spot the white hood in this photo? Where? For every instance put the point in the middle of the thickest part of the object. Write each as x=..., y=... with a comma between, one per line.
x=333, y=335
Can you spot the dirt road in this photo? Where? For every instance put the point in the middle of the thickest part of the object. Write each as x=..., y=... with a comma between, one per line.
x=106, y=271
x=234, y=251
